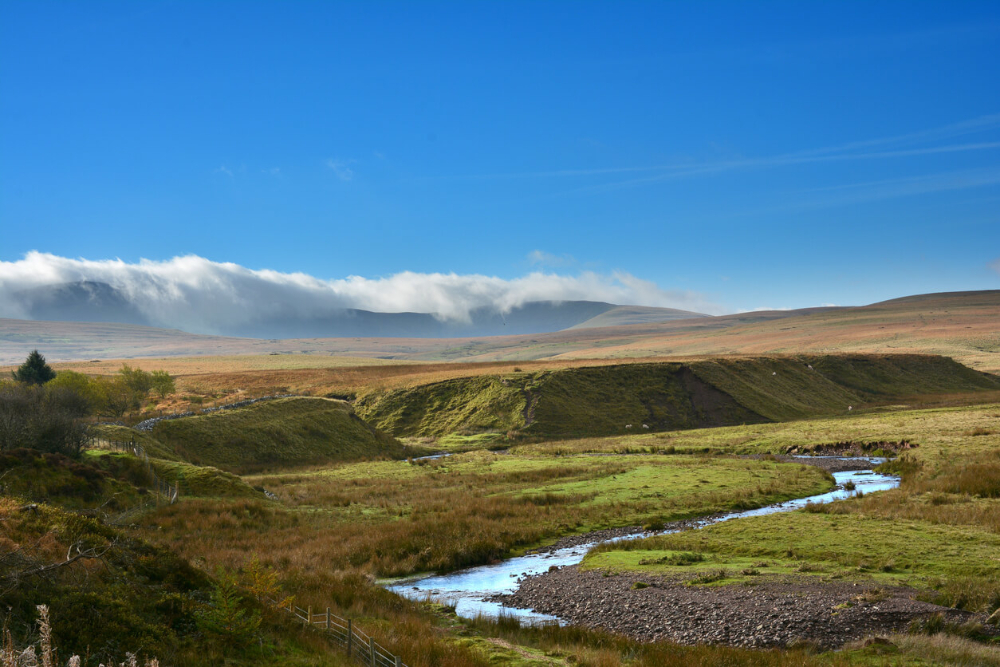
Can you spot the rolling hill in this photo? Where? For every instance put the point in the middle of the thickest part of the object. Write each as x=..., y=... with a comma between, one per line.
x=962, y=325
x=604, y=400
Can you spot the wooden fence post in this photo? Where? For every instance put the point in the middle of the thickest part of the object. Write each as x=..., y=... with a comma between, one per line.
x=309, y=616
x=350, y=636
x=327, y=618
x=371, y=650
x=399, y=661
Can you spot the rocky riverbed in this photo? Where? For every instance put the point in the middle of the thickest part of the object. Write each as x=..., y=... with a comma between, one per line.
x=771, y=612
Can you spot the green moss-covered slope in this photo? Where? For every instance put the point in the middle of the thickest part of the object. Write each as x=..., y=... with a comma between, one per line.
x=285, y=432
x=592, y=401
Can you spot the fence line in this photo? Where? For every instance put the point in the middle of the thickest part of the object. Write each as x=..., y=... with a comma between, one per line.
x=160, y=487
x=358, y=645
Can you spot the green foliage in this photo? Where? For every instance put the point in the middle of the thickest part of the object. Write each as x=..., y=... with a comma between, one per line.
x=117, y=396
x=35, y=417
x=162, y=383
x=34, y=370
x=83, y=385
x=227, y=616
x=139, y=597
x=136, y=379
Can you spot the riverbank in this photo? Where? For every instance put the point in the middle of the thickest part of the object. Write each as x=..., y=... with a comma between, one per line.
x=774, y=612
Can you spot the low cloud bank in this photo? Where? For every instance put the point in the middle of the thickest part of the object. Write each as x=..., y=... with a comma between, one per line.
x=202, y=296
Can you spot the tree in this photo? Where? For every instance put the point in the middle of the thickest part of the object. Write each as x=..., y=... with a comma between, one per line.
x=117, y=396
x=227, y=615
x=38, y=418
x=137, y=379
x=34, y=370
x=83, y=385
x=163, y=384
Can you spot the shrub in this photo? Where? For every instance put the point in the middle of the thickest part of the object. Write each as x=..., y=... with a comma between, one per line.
x=49, y=421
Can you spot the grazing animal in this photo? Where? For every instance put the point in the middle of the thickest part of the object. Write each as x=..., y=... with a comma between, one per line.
x=645, y=426
x=850, y=407
x=628, y=426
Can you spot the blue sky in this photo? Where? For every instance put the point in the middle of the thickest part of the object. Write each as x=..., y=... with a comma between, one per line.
x=755, y=154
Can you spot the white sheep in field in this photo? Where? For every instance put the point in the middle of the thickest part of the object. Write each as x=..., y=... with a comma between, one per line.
x=628, y=426
x=645, y=426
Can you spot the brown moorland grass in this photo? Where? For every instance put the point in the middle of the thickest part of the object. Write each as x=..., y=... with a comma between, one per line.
x=963, y=325
x=392, y=518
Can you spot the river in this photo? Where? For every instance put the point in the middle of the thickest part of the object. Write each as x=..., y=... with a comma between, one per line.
x=468, y=589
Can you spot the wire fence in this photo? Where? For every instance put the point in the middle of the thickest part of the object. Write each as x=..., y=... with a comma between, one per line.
x=160, y=487
x=359, y=646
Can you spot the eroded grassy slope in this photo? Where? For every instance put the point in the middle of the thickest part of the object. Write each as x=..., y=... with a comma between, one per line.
x=605, y=400
x=280, y=433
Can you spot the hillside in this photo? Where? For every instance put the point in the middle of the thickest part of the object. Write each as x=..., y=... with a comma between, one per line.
x=602, y=400
x=281, y=433
x=961, y=325
x=625, y=315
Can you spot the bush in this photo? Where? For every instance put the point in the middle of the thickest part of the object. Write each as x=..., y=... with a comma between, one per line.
x=35, y=418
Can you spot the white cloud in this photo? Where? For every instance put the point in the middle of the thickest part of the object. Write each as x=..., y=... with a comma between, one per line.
x=995, y=265
x=195, y=294
x=341, y=169
x=225, y=170
x=542, y=258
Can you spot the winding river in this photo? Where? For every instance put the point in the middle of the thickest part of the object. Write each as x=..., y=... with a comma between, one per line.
x=468, y=589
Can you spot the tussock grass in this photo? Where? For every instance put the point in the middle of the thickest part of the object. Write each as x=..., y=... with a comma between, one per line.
x=941, y=649
x=392, y=518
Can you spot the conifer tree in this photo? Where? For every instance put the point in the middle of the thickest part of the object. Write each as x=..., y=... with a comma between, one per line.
x=34, y=370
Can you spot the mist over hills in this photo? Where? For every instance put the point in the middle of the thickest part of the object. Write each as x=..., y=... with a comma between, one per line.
x=91, y=301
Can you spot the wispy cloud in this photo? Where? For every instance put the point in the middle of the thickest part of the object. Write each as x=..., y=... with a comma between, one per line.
x=995, y=265
x=787, y=160
x=198, y=295
x=856, y=193
x=341, y=169
x=224, y=170
x=854, y=150
x=542, y=258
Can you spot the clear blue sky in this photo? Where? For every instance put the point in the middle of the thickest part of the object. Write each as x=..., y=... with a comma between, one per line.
x=763, y=154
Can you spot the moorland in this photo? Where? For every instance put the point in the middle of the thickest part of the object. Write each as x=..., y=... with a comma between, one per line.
x=324, y=496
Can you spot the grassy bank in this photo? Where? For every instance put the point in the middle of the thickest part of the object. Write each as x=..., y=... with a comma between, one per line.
x=939, y=531
x=280, y=433
x=615, y=399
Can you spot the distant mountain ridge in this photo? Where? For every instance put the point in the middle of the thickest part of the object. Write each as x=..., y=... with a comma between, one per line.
x=962, y=325
x=88, y=301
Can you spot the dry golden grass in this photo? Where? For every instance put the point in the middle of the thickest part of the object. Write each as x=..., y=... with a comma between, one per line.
x=965, y=326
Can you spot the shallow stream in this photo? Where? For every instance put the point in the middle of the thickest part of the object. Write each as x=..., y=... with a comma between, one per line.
x=467, y=589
